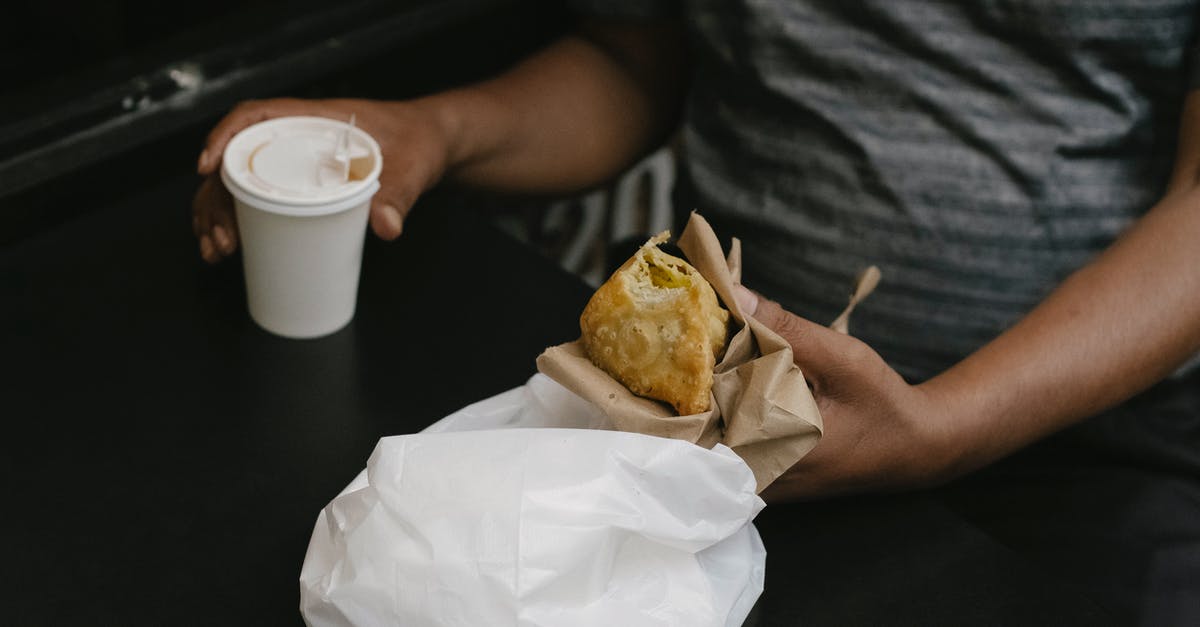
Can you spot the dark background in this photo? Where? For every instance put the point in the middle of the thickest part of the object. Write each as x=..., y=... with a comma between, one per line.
x=90, y=94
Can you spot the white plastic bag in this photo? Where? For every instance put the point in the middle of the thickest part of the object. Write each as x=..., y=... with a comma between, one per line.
x=537, y=526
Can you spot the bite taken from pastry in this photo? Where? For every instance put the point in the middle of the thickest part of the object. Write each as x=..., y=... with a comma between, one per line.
x=655, y=325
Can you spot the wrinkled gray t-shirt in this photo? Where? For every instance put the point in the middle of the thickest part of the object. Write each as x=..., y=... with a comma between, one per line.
x=977, y=152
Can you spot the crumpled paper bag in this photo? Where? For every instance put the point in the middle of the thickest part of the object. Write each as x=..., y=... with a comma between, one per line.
x=537, y=526
x=761, y=407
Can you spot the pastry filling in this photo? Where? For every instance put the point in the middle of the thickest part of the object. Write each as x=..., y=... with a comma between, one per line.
x=666, y=276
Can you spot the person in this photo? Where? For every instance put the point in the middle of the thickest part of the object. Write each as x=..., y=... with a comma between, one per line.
x=1025, y=174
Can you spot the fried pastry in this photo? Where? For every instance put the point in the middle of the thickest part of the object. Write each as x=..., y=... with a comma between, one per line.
x=656, y=327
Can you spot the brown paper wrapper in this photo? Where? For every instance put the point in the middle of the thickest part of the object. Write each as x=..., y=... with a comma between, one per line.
x=762, y=407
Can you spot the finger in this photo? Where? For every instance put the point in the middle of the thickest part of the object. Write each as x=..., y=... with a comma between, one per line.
x=224, y=230
x=389, y=208
x=242, y=116
x=208, y=252
x=817, y=349
x=386, y=221
x=225, y=239
x=211, y=207
x=747, y=300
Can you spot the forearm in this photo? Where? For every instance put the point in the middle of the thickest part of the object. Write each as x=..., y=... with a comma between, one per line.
x=1110, y=330
x=569, y=117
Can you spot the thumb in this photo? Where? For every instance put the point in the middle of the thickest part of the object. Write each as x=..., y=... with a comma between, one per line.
x=389, y=208
x=815, y=348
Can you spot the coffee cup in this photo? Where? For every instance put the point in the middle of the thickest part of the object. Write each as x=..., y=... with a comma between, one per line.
x=302, y=190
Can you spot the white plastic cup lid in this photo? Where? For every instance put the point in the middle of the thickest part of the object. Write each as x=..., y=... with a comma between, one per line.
x=290, y=166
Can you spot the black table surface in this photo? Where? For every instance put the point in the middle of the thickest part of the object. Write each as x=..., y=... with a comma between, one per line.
x=166, y=459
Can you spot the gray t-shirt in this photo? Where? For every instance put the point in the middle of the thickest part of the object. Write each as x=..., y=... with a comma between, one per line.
x=977, y=152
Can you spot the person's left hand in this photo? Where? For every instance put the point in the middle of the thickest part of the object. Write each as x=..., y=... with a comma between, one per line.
x=881, y=433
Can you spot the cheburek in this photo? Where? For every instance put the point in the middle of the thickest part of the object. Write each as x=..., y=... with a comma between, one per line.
x=656, y=327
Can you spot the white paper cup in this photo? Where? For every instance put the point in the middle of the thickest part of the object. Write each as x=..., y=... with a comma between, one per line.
x=301, y=225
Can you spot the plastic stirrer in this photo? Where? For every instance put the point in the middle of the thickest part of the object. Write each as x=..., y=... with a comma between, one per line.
x=342, y=152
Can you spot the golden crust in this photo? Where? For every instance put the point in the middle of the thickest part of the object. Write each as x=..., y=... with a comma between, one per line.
x=656, y=327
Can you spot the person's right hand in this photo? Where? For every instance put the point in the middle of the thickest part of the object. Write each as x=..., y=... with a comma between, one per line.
x=414, y=142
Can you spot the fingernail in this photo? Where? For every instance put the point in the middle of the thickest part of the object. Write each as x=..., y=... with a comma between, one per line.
x=205, y=247
x=222, y=238
x=394, y=222
x=202, y=160
x=747, y=300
